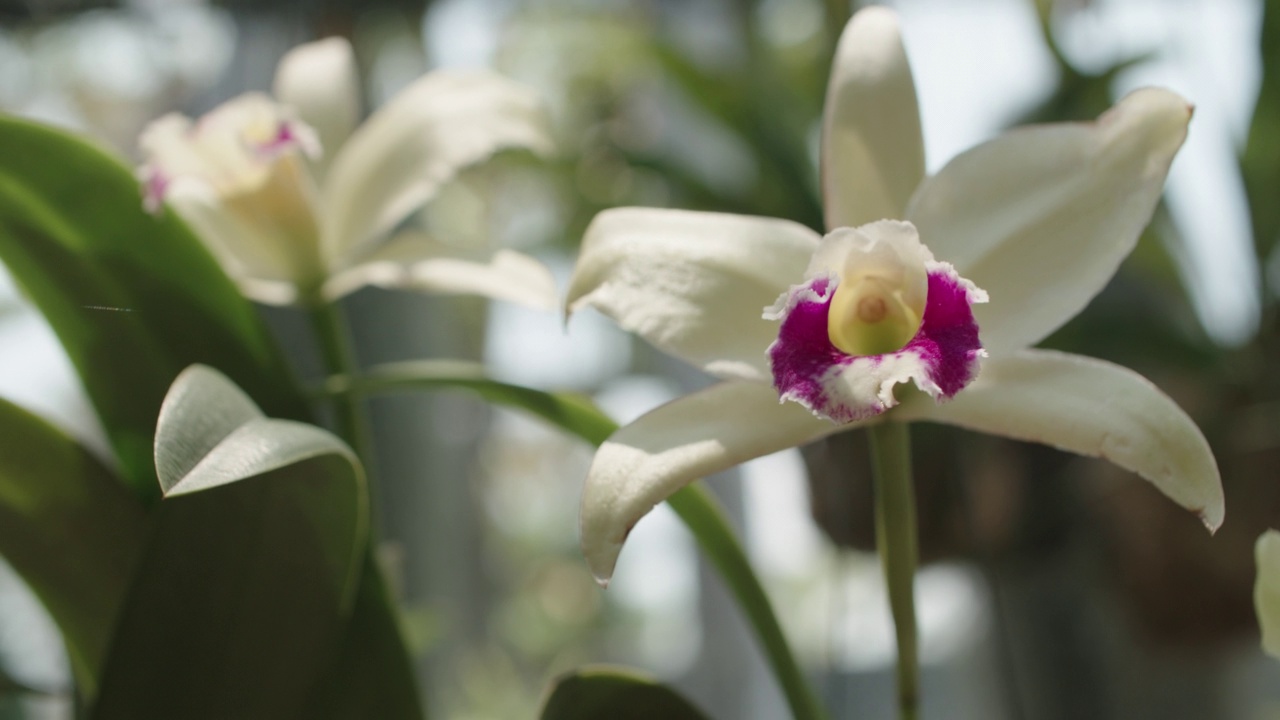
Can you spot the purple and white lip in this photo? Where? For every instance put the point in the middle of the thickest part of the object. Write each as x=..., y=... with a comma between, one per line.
x=831, y=354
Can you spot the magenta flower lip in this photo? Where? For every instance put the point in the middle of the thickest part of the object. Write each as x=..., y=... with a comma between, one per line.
x=942, y=358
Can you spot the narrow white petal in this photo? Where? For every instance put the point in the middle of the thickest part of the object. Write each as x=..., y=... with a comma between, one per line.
x=320, y=81
x=692, y=283
x=872, y=146
x=1089, y=407
x=397, y=159
x=689, y=438
x=1266, y=591
x=1041, y=216
x=426, y=266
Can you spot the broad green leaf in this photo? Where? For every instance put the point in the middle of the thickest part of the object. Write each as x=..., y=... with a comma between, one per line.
x=133, y=298
x=71, y=530
x=374, y=676
x=695, y=505
x=592, y=693
x=243, y=595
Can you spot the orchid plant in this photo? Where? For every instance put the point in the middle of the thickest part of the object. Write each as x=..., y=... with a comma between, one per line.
x=225, y=544
x=300, y=203
x=938, y=284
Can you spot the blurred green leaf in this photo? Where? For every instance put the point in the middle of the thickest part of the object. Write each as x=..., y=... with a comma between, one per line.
x=571, y=412
x=133, y=298
x=242, y=597
x=1260, y=162
x=592, y=693
x=71, y=530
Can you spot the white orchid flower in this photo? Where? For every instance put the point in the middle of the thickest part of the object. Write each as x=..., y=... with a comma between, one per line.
x=299, y=203
x=1037, y=219
x=1266, y=590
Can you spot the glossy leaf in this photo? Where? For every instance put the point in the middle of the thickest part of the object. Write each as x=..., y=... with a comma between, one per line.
x=133, y=298
x=70, y=530
x=244, y=592
x=592, y=693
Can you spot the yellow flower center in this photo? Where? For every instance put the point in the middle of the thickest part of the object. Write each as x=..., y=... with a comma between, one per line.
x=870, y=316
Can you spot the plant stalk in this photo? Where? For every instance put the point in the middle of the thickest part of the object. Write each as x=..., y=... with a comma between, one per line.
x=350, y=420
x=895, y=517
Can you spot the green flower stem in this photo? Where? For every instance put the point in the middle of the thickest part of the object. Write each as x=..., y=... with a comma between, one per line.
x=700, y=511
x=896, y=541
x=352, y=424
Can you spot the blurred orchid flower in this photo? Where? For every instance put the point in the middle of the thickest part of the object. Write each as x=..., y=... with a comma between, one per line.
x=298, y=202
x=1266, y=590
x=1039, y=219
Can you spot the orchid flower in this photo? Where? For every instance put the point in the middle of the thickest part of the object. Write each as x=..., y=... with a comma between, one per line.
x=811, y=335
x=299, y=203
x=1266, y=590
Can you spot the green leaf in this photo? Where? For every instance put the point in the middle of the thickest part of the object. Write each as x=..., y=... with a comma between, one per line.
x=592, y=693
x=1260, y=161
x=374, y=675
x=572, y=412
x=71, y=530
x=695, y=505
x=243, y=595
x=133, y=298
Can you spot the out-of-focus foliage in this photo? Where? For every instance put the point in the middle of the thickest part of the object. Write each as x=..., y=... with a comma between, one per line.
x=71, y=530
x=590, y=693
x=134, y=299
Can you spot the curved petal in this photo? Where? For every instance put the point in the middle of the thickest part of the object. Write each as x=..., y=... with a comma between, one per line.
x=1041, y=216
x=414, y=262
x=243, y=249
x=1089, y=407
x=395, y=161
x=692, y=283
x=1266, y=591
x=872, y=146
x=319, y=80
x=688, y=438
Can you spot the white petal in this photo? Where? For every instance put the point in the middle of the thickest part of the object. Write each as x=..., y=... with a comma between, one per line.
x=692, y=283
x=396, y=161
x=1041, y=216
x=248, y=257
x=691, y=437
x=1089, y=407
x=1266, y=591
x=244, y=249
x=320, y=81
x=872, y=147
x=413, y=262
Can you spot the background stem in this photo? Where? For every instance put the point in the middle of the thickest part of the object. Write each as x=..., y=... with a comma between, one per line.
x=350, y=420
x=895, y=512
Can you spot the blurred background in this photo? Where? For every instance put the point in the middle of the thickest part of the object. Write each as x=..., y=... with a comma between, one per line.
x=1055, y=587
